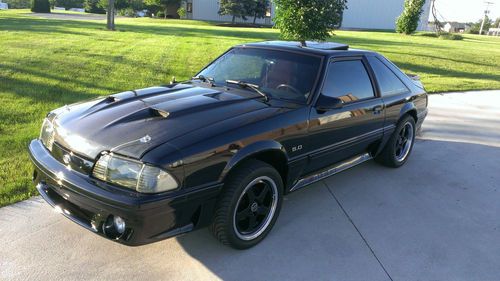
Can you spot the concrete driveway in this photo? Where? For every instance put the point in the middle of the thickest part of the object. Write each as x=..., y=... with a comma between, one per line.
x=436, y=218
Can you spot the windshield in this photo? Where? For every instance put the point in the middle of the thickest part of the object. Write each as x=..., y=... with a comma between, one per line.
x=279, y=74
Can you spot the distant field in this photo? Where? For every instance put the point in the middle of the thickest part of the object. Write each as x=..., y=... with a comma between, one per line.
x=46, y=63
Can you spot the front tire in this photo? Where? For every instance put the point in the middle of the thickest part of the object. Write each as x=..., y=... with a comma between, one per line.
x=249, y=205
x=399, y=146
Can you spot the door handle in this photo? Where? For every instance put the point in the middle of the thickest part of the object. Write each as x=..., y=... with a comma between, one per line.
x=377, y=109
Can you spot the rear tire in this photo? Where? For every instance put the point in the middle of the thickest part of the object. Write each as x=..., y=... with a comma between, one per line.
x=399, y=146
x=248, y=206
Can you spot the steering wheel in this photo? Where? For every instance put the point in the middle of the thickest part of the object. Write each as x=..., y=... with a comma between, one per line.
x=290, y=87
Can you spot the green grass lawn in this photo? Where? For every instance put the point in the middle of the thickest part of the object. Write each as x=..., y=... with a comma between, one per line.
x=45, y=64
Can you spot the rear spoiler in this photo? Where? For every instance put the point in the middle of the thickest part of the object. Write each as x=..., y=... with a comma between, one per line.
x=415, y=79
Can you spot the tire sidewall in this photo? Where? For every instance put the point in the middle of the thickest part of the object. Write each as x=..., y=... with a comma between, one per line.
x=265, y=170
x=401, y=124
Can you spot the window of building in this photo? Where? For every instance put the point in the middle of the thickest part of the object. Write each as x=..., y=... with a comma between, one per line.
x=268, y=11
x=189, y=7
x=348, y=80
x=388, y=82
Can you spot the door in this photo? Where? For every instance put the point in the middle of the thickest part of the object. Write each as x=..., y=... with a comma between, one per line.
x=350, y=128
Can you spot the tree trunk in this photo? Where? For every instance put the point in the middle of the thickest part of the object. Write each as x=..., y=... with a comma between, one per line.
x=165, y=13
x=254, y=19
x=234, y=18
x=110, y=18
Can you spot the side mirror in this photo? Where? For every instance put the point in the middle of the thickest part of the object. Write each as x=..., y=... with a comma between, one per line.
x=326, y=103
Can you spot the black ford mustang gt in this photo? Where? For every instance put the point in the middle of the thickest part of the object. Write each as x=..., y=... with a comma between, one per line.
x=223, y=148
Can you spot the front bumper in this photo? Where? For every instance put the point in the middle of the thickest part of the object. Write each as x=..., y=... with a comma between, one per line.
x=89, y=202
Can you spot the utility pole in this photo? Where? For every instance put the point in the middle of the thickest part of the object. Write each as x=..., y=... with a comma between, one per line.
x=486, y=12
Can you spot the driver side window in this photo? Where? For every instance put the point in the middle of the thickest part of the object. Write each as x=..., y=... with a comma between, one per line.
x=348, y=80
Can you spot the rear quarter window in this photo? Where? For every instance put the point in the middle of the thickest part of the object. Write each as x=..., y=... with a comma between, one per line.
x=388, y=82
x=348, y=80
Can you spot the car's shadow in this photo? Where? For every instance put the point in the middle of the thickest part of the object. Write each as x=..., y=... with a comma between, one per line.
x=406, y=213
x=434, y=218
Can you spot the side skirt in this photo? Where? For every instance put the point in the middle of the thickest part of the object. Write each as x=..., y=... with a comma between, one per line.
x=337, y=168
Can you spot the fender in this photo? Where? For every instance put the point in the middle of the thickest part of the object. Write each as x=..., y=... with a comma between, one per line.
x=409, y=108
x=252, y=149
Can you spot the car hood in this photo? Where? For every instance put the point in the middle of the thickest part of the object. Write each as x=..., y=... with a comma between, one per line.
x=131, y=123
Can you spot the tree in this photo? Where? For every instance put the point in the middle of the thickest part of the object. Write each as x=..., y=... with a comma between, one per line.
x=93, y=6
x=497, y=23
x=110, y=15
x=18, y=4
x=40, y=6
x=259, y=9
x=476, y=27
x=308, y=19
x=407, y=22
x=163, y=4
x=438, y=26
x=236, y=8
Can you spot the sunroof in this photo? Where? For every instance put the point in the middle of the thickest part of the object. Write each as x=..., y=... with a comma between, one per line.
x=326, y=45
x=309, y=44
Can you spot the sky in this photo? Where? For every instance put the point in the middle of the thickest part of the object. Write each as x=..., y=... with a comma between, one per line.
x=466, y=10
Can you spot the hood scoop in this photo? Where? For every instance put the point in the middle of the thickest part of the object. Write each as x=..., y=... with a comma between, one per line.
x=159, y=112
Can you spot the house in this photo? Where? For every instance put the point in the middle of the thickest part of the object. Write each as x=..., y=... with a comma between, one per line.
x=493, y=31
x=455, y=27
x=360, y=14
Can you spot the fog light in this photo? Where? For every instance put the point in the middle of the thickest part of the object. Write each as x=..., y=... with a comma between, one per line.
x=114, y=227
x=119, y=224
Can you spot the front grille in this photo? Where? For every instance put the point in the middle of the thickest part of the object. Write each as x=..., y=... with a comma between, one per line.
x=72, y=160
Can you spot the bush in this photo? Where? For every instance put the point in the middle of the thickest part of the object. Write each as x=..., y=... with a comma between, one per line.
x=181, y=12
x=450, y=36
x=40, y=6
x=428, y=34
x=68, y=4
x=127, y=12
x=407, y=22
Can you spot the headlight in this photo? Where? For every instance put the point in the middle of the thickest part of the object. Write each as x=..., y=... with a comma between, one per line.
x=47, y=134
x=133, y=174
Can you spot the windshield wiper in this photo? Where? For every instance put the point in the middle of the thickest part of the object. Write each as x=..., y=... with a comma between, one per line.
x=254, y=87
x=205, y=79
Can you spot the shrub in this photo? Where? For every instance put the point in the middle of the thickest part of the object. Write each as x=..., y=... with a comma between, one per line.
x=68, y=4
x=40, y=6
x=428, y=34
x=181, y=12
x=407, y=22
x=450, y=36
x=127, y=12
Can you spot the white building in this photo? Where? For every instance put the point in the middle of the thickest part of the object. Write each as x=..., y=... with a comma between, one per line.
x=360, y=14
x=3, y=6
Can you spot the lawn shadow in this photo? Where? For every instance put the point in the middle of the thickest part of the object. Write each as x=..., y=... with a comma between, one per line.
x=427, y=56
x=445, y=72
